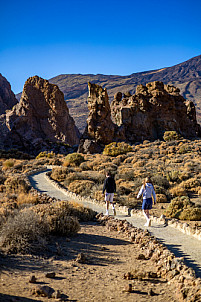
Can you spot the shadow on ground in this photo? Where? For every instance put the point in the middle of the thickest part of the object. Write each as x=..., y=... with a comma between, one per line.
x=187, y=260
x=96, y=248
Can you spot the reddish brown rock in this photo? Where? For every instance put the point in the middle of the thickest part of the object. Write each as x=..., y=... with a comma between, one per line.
x=41, y=116
x=7, y=97
x=146, y=115
x=100, y=128
x=154, y=109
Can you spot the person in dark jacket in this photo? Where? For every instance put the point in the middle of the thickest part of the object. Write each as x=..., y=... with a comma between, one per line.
x=109, y=188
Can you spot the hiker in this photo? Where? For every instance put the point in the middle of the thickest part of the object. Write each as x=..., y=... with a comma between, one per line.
x=109, y=188
x=147, y=191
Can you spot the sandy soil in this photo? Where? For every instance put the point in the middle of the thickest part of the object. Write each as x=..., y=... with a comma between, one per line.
x=100, y=278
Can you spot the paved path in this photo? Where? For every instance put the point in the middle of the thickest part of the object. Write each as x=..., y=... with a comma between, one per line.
x=180, y=244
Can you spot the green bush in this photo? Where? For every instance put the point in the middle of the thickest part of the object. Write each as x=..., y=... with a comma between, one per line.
x=173, y=175
x=45, y=154
x=171, y=136
x=115, y=149
x=9, y=163
x=73, y=159
x=184, y=149
x=182, y=208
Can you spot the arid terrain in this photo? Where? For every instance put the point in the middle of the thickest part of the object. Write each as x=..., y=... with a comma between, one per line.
x=39, y=235
x=109, y=255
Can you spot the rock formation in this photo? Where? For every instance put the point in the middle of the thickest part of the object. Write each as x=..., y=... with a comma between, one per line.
x=100, y=128
x=99, y=115
x=40, y=117
x=154, y=109
x=7, y=97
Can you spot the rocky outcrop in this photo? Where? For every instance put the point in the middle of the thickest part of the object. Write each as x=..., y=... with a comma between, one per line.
x=99, y=124
x=40, y=117
x=7, y=97
x=100, y=129
x=154, y=109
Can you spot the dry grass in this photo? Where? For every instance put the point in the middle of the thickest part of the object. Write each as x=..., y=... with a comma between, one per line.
x=24, y=233
x=24, y=198
x=81, y=187
x=173, y=165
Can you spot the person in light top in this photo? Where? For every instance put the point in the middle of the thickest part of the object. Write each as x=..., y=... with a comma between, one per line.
x=147, y=191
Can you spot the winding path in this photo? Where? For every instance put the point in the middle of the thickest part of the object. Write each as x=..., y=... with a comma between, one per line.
x=180, y=244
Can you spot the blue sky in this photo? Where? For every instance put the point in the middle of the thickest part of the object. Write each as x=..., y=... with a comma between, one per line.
x=48, y=38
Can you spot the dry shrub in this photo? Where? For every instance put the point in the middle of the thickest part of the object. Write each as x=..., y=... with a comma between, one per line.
x=161, y=181
x=159, y=190
x=126, y=173
x=184, y=149
x=24, y=198
x=16, y=185
x=115, y=149
x=191, y=214
x=85, y=166
x=81, y=187
x=74, y=160
x=124, y=190
x=2, y=178
x=191, y=183
x=9, y=163
x=98, y=195
x=184, y=175
x=25, y=232
x=161, y=198
x=132, y=201
x=178, y=191
x=107, y=167
x=139, y=163
x=45, y=154
x=177, y=206
x=7, y=209
x=59, y=174
x=199, y=191
x=64, y=208
x=173, y=175
x=171, y=136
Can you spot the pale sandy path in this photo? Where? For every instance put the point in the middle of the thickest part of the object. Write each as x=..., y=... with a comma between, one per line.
x=181, y=244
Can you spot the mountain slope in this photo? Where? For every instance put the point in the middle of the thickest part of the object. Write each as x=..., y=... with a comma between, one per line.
x=186, y=76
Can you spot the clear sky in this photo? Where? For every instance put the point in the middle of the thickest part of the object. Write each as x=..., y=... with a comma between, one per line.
x=48, y=38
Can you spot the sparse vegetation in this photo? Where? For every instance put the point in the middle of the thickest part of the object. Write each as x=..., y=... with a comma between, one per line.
x=45, y=154
x=171, y=136
x=115, y=149
x=173, y=165
x=175, y=173
x=74, y=159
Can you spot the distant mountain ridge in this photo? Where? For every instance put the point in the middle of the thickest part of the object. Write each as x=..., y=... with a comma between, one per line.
x=186, y=76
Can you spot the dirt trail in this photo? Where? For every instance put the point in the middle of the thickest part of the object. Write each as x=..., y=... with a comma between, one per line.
x=109, y=255
x=181, y=244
